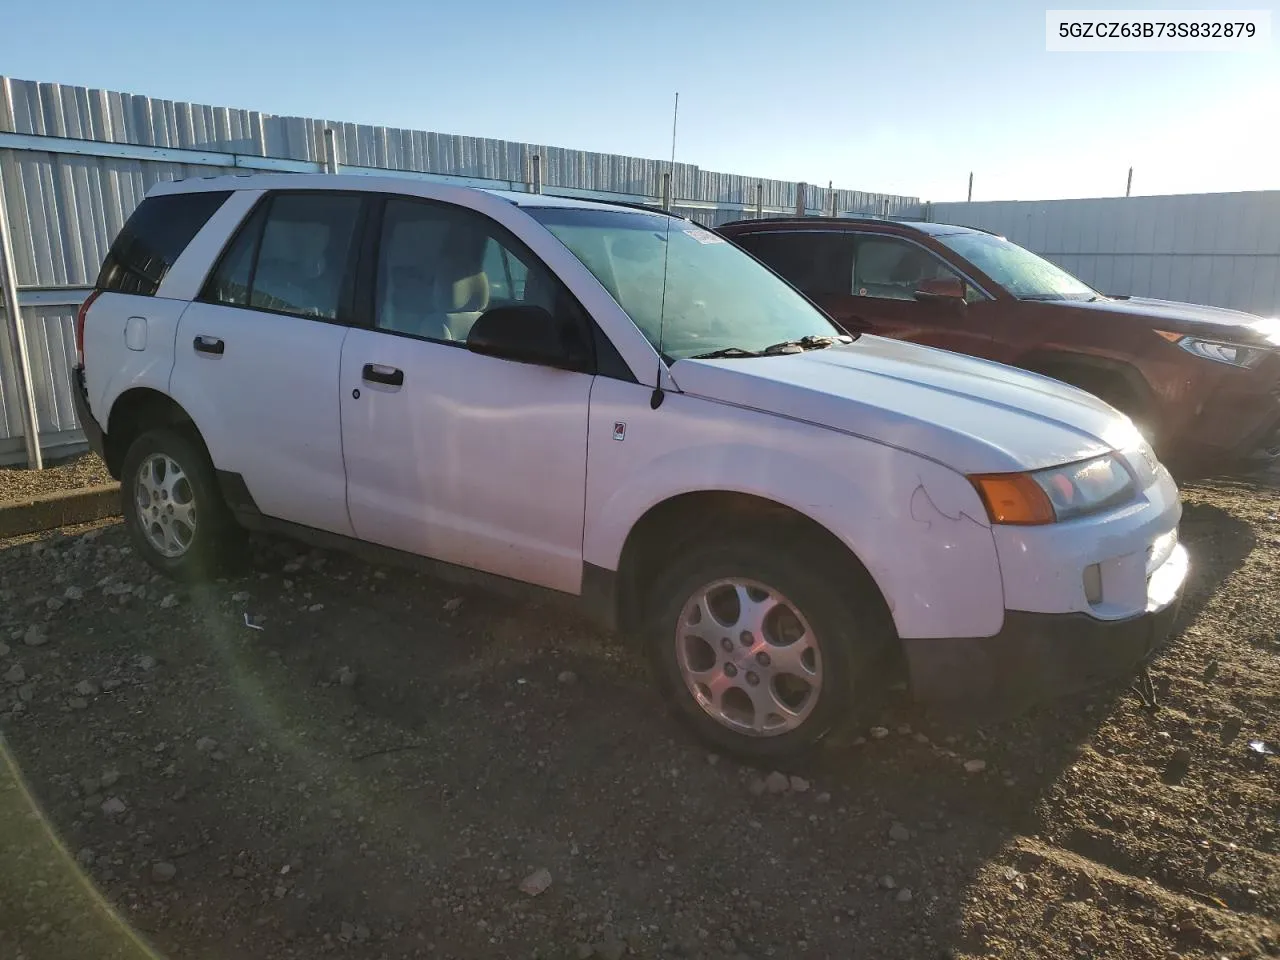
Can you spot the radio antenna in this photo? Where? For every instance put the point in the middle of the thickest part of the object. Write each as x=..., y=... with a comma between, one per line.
x=655, y=401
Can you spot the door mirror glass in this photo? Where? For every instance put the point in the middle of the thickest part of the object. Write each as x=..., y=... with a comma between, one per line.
x=528, y=333
x=941, y=288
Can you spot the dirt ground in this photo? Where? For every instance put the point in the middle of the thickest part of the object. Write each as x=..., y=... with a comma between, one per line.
x=84, y=470
x=378, y=769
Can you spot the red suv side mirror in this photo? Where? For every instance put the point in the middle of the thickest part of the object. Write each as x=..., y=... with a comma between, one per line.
x=941, y=288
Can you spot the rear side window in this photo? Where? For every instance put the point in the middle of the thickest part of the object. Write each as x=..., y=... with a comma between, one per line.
x=293, y=255
x=819, y=264
x=153, y=239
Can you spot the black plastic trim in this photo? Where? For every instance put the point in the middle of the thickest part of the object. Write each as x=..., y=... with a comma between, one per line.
x=92, y=429
x=600, y=595
x=598, y=584
x=1035, y=657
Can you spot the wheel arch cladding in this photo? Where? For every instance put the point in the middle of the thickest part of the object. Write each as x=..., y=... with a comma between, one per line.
x=1061, y=365
x=136, y=411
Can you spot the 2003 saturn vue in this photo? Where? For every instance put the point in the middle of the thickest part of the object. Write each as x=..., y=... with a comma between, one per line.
x=619, y=405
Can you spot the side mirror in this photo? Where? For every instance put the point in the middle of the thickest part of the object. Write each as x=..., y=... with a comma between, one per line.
x=942, y=289
x=528, y=334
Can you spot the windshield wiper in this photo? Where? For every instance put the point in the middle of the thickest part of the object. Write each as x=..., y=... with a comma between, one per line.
x=810, y=342
x=726, y=352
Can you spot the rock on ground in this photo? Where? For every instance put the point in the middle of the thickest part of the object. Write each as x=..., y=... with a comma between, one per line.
x=536, y=883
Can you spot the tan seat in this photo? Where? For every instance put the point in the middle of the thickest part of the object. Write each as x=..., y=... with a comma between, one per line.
x=459, y=302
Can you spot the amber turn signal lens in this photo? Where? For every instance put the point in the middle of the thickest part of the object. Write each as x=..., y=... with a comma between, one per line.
x=1013, y=498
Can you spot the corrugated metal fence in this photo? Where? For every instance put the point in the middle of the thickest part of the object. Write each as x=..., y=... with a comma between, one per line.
x=1217, y=248
x=75, y=162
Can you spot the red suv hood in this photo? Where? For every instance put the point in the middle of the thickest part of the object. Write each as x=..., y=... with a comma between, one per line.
x=1185, y=317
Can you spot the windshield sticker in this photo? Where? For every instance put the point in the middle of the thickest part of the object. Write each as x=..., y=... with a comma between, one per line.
x=702, y=236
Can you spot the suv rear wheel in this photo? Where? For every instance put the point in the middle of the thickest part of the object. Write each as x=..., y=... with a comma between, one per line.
x=173, y=508
x=758, y=649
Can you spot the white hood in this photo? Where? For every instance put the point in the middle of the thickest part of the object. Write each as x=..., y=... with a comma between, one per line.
x=973, y=415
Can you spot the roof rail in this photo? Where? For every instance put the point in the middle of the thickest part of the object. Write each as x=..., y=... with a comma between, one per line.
x=617, y=203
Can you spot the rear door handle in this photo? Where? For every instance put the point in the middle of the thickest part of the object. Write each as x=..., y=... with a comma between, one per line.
x=377, y=373
x=210, y=345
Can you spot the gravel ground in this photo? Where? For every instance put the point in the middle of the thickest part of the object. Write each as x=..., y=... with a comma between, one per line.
x=85, y=470
x=388, y=768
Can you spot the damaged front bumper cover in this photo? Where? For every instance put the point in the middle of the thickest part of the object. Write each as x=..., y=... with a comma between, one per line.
x=1039, y=656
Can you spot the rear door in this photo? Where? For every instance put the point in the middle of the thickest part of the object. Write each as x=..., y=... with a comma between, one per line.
x=819, y=263
x=257, y=354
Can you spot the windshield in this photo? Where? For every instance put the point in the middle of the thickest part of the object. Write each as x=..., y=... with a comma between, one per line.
x=717, y=296
x=1021, y=272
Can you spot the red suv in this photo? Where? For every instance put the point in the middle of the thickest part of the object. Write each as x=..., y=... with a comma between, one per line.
x=1202, y=382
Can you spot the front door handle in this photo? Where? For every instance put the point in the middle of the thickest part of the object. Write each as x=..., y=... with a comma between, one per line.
x=210, y=345
x=377, y=373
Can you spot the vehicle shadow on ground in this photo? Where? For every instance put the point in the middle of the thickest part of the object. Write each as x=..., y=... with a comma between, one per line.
x=1023, y=755
x=483, y=709
x=412, y=752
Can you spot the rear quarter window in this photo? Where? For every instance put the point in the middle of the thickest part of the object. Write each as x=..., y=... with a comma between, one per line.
x=153, y=238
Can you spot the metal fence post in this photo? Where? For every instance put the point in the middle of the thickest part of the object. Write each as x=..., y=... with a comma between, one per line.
x=18, y=339
x=759, y=200
x=330, y=151
x=535, y=172
x=801, y=203
x=666, y=191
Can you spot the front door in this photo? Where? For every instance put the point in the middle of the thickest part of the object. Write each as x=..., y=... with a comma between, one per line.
x=464, y=458
x=867, y=284
x=885, y=274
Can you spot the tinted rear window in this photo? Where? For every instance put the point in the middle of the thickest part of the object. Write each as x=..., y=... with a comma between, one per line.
x=153, y=239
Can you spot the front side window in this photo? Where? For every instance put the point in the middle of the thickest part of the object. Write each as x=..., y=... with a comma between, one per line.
x=894, y=269
x=292, y=256
x=716, y=297
x=1018, y=270
x=153, y=238
x=440, y=267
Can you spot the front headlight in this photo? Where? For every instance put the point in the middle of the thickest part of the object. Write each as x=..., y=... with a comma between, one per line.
x=1269, y=327
x=1221, y=351
x=1055, y=494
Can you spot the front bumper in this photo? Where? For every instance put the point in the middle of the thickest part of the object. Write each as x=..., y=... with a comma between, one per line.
x=1239, y=423
x=1039, y=656
x=92, y=429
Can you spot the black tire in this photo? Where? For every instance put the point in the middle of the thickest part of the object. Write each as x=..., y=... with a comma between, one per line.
x=216, y=543
x=842, y=607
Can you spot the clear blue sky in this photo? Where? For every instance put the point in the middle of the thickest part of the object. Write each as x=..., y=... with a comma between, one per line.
x=902, y=96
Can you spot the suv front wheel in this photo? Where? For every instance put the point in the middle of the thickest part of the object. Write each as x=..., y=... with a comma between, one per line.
x=173, y=508
x=758, y=649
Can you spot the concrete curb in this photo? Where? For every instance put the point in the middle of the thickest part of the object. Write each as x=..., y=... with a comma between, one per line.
x=66, y=507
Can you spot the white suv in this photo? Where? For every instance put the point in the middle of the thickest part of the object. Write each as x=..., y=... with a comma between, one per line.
x=616, y=404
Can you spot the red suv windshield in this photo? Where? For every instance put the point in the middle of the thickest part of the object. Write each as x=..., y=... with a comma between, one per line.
x=1019, y=271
